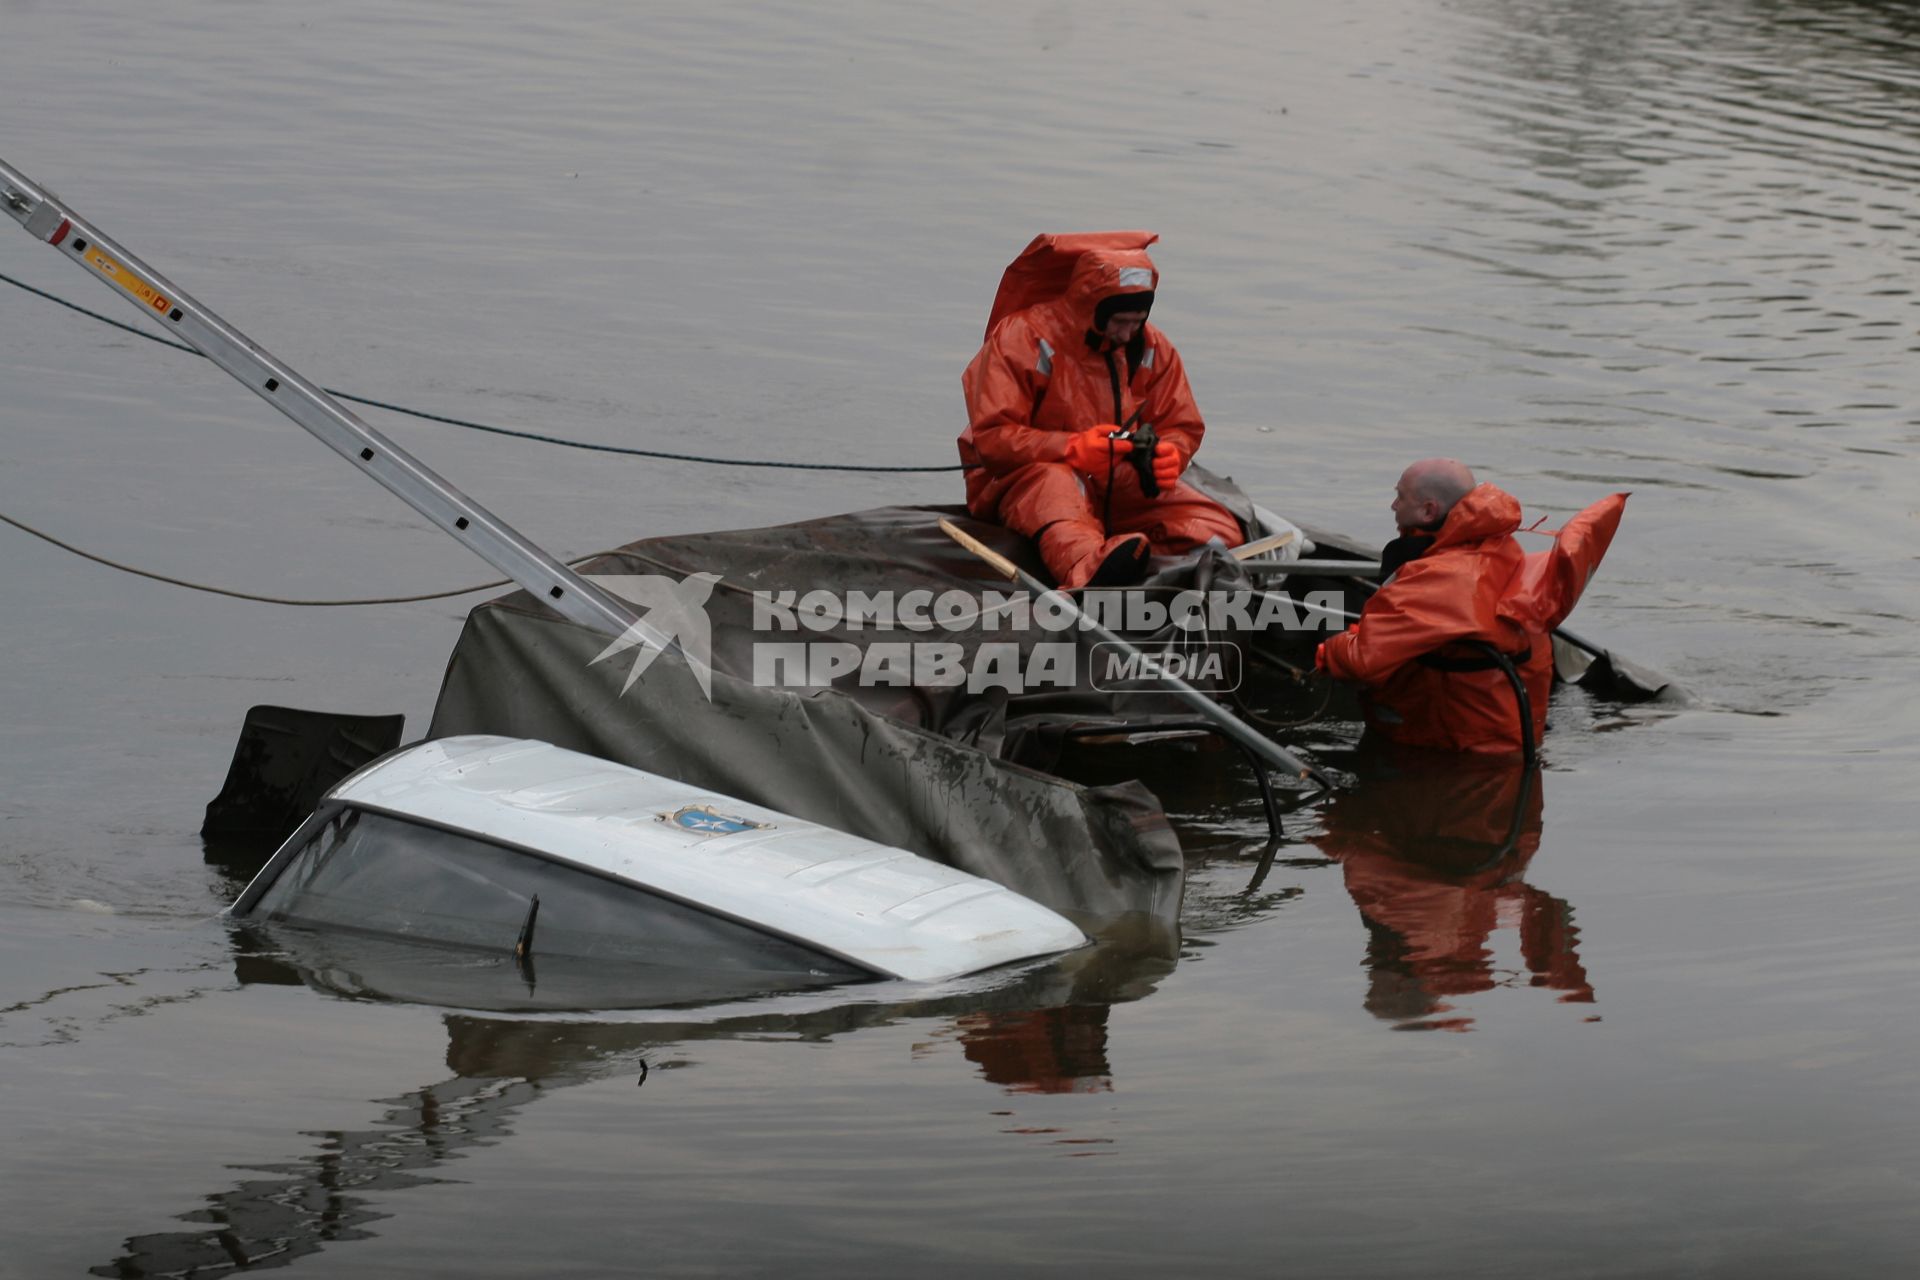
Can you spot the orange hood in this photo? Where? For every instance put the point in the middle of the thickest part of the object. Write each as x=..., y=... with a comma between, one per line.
x=1486, y=512
x=1080, y=269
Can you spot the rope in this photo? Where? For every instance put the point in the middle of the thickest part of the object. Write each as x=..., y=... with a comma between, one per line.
x=248, y=595
x=499, y=431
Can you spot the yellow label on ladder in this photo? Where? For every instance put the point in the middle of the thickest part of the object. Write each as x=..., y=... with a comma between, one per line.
x=127, y=280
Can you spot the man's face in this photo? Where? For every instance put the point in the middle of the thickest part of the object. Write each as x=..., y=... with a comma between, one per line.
x=1409, y=510
x=1122, y=325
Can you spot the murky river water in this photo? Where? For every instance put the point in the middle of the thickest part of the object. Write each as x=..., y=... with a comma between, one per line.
x=1664, y=247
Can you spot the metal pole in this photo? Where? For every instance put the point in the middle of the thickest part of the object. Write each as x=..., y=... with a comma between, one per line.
x=1318, y=568
x=50, y=219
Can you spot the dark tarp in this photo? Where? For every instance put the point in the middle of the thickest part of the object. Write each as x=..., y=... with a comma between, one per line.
x=285, y=761
x=819, y=755
x=1606, y=674
x=952, y=775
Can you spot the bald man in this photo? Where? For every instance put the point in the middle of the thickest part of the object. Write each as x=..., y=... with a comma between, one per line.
x=1427, y=491
x=1456, y=582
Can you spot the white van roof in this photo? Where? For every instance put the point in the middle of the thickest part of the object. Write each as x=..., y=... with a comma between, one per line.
x=882, y=908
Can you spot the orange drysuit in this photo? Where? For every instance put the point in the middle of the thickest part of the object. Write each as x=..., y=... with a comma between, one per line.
x=1044, y=374
x=1473, y=583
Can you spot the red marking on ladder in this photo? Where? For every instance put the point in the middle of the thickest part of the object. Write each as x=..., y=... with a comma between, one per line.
x=61, y=234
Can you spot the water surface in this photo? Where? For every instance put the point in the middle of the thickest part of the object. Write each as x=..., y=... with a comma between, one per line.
x=1638, y=246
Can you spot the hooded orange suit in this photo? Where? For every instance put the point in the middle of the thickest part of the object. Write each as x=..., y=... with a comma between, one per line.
x=1473, y=583
x=1044, y=374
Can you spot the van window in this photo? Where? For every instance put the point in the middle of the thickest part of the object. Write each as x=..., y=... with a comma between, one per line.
x=381, y=874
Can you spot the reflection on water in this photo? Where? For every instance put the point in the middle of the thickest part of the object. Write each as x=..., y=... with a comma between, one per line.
x=1032, y=1031
x=327, y=1197
x=1062, y=1049
x=1434, y=850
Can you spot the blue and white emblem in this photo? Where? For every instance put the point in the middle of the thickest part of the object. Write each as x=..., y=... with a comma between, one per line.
x=702, y=820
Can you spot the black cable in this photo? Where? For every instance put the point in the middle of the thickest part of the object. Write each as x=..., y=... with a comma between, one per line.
x=1106, y=514
x=1529, y=749
x=260, y=599
x=502, y=431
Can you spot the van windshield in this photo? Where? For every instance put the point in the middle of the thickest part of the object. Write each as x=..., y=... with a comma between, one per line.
x=376, y=873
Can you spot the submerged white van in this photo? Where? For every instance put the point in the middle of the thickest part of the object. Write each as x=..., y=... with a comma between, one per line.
x=511, y=845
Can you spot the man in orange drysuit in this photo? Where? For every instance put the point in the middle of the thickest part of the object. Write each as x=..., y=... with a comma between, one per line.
x=1456, y=575
x=1069, y=360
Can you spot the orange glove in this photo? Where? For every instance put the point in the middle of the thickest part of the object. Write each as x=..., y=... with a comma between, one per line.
x=1320, y=651
x=1092, y=452
x=1167, y=466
